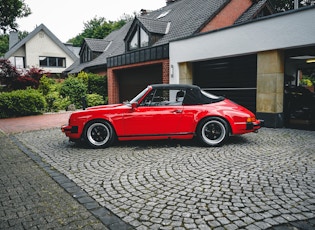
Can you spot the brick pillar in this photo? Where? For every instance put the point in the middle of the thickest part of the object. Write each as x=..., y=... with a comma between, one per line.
x=113, y=87
x=270, y=87
x=165, y=71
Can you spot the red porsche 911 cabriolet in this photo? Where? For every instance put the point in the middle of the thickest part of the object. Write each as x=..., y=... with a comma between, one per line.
x=163, y=111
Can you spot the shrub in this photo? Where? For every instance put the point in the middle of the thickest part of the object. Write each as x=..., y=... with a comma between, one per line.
x=45, y=84
x=97, y=84
x=84, y=77
x=30, y=78
x=21, y=103
x=95, y=99
x=61, y=104
x=74, y=89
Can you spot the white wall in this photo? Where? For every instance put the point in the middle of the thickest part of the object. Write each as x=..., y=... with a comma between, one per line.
x=43, y=45
x=283, y=31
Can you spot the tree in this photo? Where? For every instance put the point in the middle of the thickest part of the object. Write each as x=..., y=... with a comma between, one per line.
x=97, y=28
x=285, y=5
x=30, y=78
x=7, y=72
x=14, y=79
x=4, y=41
x=4, y=44
x=10, y=10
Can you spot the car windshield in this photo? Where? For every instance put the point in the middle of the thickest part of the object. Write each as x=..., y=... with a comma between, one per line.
x=139, y=96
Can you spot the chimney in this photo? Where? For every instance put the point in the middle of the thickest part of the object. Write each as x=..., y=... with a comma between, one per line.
x=143, y=12
x=168, y=2
x=13, y=38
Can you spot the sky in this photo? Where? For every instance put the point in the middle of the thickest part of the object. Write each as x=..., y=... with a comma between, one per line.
x=66, y=18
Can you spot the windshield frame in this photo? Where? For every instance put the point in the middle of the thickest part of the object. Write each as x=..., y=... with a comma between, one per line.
x=140, y=95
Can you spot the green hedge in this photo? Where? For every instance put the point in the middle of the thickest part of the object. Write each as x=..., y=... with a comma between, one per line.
x=74, y=89
x=94, y=99
x=21, y=103
x=97, y=84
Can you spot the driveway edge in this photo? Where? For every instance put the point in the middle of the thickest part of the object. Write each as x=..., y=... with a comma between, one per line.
x=108, y=218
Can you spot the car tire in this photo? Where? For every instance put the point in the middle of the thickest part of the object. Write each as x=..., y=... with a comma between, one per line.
x=213, y=131
x=99, y=134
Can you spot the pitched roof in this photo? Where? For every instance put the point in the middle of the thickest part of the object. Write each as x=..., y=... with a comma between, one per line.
x=97, y=45
x=251, y=12
x=154, y=26
x=186, y=17
x=179, y=19
x=32, y=34
x=115, y=45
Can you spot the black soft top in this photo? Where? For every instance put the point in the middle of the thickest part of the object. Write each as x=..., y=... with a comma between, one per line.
x=194, y=95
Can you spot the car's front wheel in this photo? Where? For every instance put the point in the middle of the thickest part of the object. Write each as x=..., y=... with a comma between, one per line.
x=212, y=131
x=99, y=134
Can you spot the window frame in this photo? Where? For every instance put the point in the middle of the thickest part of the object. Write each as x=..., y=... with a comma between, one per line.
x=20, y=58
x=52, y=62
x=142, y=39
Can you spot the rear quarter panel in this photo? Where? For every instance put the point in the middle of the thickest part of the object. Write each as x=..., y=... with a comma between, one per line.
x=230, y=112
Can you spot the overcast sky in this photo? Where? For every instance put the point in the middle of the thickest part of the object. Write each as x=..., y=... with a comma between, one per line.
x=65, y=18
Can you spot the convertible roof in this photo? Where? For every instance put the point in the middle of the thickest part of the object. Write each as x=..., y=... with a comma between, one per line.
x=193, y=94
x=176, y=86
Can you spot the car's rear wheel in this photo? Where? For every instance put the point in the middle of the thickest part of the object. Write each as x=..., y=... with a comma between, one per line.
x=99, y=134
x=212, y=131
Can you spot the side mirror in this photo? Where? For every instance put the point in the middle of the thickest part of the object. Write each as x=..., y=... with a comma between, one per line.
x=134, y=105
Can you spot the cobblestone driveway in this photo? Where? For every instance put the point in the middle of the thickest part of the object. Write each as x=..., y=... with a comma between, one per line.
x=255, y=181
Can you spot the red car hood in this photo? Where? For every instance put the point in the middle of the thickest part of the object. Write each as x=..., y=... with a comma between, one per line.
x=104, y=106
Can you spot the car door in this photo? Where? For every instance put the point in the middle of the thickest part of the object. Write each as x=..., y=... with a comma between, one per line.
x=158, y=114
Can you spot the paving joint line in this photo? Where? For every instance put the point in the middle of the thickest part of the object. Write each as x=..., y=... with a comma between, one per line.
x=107, y=217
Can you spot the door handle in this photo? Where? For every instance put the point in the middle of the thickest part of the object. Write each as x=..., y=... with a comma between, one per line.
x=178, y=111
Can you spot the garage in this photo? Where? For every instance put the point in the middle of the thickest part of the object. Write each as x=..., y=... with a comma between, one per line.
x=134, y=80
x=234, y=78
x=299, y=96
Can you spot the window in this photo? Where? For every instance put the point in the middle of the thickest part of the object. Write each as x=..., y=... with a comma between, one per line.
x=19, y=62
x=52, y=62
x=140, y=39
x=144, y=38
x=164, y=97
x=134, y=43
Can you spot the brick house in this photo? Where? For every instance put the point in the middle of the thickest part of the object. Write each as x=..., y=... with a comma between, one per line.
x=138, y=53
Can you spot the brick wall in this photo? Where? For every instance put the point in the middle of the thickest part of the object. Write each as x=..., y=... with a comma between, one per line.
x=113, y=84
x=228, y=15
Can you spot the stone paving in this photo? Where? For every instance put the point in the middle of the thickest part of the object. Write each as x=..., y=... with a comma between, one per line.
x=255, y=181
x=31, y=199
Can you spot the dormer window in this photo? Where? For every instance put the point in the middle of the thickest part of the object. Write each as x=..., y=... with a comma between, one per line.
x=140, y=39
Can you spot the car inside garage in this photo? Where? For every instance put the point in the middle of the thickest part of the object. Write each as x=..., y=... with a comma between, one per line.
x=299, y=97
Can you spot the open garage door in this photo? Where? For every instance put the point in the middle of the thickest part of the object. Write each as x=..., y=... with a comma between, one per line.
x=234, y=78
x=134, y=80
x=299, y=94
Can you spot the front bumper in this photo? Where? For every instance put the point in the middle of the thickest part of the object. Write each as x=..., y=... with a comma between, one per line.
x=255, y=125
x=71, y=131
x=69, y=128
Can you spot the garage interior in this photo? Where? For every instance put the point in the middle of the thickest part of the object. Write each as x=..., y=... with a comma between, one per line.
x=299, y=97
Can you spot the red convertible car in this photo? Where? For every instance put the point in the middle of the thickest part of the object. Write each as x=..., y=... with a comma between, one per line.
x=163, y=111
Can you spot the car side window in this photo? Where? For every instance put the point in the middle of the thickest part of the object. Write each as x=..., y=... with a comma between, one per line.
x=164, y=97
